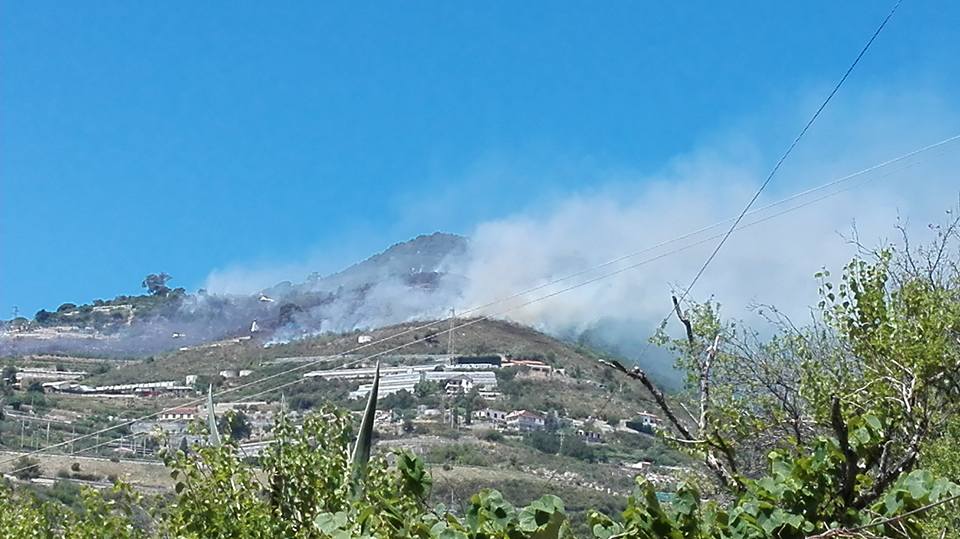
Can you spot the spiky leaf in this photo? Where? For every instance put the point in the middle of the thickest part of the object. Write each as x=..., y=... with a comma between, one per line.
x=361, y=451
x=212, y=419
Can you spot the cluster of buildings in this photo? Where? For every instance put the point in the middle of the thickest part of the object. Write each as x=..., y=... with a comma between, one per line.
x=27, y=375
x=457, y=374
x=533, y=367
x=453, y=374
x=71, y=382
x=453, y=382
x=590, y=429
x=517, y=420
x=173, y=423
x=228, y=374
x=138, y=389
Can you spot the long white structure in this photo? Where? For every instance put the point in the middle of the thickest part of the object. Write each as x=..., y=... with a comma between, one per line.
x=368, y=372
x=392, y=383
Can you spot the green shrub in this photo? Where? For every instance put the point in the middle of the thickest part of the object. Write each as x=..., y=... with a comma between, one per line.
x=491, y=435
x=26, y=468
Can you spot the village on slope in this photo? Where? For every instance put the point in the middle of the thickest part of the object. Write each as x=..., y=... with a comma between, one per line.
x=531, y=414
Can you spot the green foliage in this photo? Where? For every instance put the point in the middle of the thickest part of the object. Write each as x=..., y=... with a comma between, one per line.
x=426, y=389
x=574, y=447
x=235, y=424
x=9, y=375
x=940, y=458
x=156, y=284
x=401, y=400
x=23, y=515
x=304, y=488
x=213, y=432
x=490, y=435
x=546, y=442
x=361, y=449
x=783, y=505
x=845, y=429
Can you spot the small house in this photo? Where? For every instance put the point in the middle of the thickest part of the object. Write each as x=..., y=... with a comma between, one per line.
x=526, y=420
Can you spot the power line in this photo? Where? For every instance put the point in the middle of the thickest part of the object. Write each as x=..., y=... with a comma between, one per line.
x=603, y=276
x=787, y=153
x=588, y=281
x=833, y=183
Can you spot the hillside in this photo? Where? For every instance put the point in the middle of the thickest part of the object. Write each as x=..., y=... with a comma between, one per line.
x=407, y=280
x=427, y=337
x=580, y=388
x=583, y=451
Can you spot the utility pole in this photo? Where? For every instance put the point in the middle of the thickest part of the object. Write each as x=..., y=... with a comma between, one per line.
x=21, y=433
x=453, y=324
x=48, y=432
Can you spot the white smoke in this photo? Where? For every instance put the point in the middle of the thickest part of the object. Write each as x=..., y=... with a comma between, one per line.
x=625, y=211
x=771, y=263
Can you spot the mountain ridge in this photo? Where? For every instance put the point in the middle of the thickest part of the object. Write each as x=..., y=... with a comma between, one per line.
x=399, y=283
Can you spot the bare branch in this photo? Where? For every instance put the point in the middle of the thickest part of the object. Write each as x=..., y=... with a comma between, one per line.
x=725, y=476
x=705, y=382
x=658, y=396
x=886, y=477
x=853, y=532
x=685, y=321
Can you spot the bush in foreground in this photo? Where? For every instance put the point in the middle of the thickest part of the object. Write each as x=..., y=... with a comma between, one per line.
x=304, y=488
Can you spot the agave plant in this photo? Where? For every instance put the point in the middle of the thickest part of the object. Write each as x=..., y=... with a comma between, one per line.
x=361, y=450
x=212, y=419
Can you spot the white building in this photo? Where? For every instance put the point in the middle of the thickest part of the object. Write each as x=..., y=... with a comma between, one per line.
x=458, y=385
x=526, y=420
x=485, y=362
x=179, y=414
x=649, y=420
x=589, y=435
x=48, y=375
x=392, y=383
x=489, y=414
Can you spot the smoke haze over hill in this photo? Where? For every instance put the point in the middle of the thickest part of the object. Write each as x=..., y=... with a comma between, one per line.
x=628, y=212
x=772, y=262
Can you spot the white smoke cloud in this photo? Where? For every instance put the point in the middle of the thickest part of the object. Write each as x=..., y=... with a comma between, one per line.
x=625, y=211
x=771, y=263
x=247, y=279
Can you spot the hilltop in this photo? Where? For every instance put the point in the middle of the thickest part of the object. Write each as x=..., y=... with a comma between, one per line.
x=411, y=279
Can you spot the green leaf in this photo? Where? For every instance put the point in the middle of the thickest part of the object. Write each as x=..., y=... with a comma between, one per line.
x=329, y=523
x=212, y=419
x=361, y=450
x=543, y=518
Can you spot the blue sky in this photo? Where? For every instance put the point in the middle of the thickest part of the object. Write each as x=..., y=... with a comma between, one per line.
x=186, y=137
